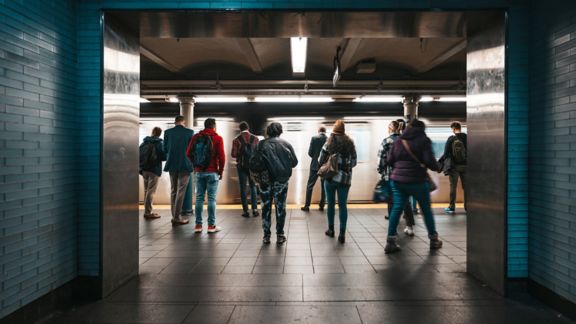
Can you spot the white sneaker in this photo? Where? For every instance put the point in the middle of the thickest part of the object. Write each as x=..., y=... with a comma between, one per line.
x=409, y=231
x=214, y=228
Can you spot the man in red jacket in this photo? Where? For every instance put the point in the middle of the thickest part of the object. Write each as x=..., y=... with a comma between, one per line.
x=206, y=151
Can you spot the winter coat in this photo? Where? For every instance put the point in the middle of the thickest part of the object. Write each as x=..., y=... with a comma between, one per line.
x=404, y=168
x=176, y=141
x=218, y=158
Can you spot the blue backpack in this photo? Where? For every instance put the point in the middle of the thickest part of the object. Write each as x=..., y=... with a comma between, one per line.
x=202, y=152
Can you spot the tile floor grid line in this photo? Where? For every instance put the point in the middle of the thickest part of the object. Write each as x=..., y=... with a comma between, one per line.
x=189, y=313
x=231, y=313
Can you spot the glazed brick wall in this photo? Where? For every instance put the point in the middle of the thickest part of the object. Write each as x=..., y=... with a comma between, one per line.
x=552, y=166
x=37, y=149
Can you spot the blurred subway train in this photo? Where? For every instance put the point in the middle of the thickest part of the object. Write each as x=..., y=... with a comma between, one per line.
x=366, y=124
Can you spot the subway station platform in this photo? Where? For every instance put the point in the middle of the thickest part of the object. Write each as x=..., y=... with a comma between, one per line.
x=230, y=277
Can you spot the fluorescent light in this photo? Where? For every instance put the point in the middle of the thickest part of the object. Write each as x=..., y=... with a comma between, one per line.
x=293, y=99
x=173, y=99
x=443, y=99
x=298, y=46
x=378, y=99
x=220, y=99
x=144, y=100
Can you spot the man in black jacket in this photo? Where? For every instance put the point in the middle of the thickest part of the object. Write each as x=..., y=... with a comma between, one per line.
x=280, y=159
x=316, y=144
x=454, y=160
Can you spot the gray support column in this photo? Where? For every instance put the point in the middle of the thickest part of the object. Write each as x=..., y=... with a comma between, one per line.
x=187, y=110
x=410, y=103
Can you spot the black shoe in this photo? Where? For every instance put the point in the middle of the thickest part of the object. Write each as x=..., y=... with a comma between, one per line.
x=305, y=208
x=245, y=214
x=342, y=237
x=387, y=216
x=255, y=213
x=391, y=246
x=280, y=239
x=329, y=232
x=266, y=240
x=321, y=208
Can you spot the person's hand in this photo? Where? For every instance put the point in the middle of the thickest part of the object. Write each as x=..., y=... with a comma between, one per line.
x=220, y=176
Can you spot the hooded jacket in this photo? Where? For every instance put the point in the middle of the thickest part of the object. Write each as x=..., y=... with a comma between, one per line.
x=404, y=168
x=217, y=159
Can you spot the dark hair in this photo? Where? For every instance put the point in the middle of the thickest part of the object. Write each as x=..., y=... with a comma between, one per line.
x=395, y=125
x=401, y=124
x=274, y=130
x=179, y=119
x=156, y=131
x=243, y=126
x=322, y=129
x=415, y=123
x=455, y=125
x=210, y=123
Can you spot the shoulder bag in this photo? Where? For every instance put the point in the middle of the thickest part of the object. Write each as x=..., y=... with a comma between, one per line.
x=431, y=182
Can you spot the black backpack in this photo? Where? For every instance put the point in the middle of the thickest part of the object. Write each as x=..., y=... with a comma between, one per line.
x=148, y=156
x=201, y=153
x=258, y=167
x=458, y=151
x=245, y=153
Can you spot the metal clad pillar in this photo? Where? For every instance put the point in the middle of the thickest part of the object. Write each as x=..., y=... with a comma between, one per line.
x=187, y=110
x=119, y=175
x=487, y=169
x=410, y=103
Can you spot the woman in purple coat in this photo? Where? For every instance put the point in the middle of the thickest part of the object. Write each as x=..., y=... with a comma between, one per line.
x=410, y=157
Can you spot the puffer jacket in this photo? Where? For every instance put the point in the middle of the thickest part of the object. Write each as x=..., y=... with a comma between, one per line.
x=404, y=168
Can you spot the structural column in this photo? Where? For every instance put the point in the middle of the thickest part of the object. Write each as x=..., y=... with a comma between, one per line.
x=410, y=103
x=187, y=110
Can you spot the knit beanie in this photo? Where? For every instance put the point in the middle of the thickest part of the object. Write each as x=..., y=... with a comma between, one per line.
x=338, y=127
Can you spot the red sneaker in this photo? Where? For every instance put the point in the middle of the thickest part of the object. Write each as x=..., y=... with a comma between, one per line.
x=198, y=228
x=214, y=228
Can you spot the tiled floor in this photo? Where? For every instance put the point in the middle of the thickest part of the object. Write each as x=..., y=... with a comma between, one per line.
x=230, y=277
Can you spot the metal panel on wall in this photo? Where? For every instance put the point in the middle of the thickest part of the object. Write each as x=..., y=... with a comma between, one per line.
x=119, y=178
x=486, y=187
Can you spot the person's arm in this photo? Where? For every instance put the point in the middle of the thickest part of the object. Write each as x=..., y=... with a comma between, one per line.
x=310, y=152
x=353, y=158
x=428, y=157
x=160, y=147
x=383, y=156
x=190, y=148
x=293, y=156
x=447, y=148
x=323, y=154
x=221, y=156
x=235, y=147
x=390, y=159
x=165, y=143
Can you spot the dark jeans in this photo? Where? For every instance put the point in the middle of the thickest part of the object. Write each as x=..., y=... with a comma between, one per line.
x=454, y=173
x=332, y=189
x=408, y=213
x=310, y=186
x=401, y=192
x=243, y=177
x=275, y=192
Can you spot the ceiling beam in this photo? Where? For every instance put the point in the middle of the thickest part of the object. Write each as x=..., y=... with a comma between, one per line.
x=246, y=47
x=348, y=51
x=445, y=56
x=158, y=60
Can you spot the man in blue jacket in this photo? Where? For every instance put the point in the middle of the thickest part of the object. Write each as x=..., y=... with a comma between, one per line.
x=178, y=165
x=316, y=144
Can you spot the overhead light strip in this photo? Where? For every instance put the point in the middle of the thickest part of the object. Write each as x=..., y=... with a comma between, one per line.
x=298, y=48
x=281, y=99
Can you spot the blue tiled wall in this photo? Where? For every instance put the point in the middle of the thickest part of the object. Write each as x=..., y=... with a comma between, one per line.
x=552, y=167
x=37, y=149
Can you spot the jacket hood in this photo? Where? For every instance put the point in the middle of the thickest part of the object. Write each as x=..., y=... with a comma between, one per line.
x=412, y=133
x=208, y=131
x=152, y=139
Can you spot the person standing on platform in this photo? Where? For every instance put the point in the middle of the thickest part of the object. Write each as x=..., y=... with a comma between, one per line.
x=178, y=166
x=151, y=157
x=206, y=151
x=272, y=165
x=314, y=150
x=242, y=148
x=454, y=163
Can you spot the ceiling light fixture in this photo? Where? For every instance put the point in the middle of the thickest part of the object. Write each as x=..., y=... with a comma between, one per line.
x=144, y=100
x=379, y=99
x=220, y=99
x=298, y=47
x=281, y=99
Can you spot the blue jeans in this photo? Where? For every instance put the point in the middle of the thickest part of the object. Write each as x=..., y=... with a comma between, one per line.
x=332, y=188
x=401, y=191
x=275, y=192
x=244, y=176
x=206, y=182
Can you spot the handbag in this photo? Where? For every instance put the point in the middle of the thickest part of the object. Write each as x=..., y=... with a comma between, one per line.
x=330, y=168
x=431, y=184
x=382, y=191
